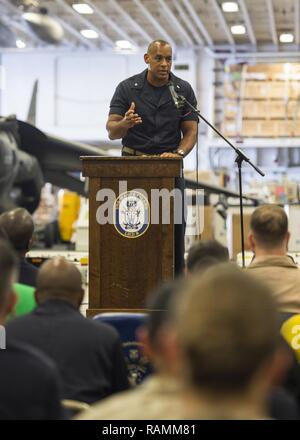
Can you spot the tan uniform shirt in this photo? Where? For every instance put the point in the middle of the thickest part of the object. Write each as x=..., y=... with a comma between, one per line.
x=156, y=398
x=282, y=275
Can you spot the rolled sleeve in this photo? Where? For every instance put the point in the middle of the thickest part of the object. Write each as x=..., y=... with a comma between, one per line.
x=119, y=102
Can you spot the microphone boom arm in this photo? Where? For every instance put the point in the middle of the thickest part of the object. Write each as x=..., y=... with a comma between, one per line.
x=241, y=156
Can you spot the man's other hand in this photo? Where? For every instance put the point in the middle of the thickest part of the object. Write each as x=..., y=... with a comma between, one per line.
x=171, y=155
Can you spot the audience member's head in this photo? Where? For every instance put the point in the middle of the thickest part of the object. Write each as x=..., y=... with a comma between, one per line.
x=59, y=279
x=8, y=272
x=19, y=227
x=269, y=230
x=157, y=335
x=205, y=253
x=228, y=332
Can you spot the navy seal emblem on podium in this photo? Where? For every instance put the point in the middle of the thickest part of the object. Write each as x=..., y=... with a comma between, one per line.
x=131, y=214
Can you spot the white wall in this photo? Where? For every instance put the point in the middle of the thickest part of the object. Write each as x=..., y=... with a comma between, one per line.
x=75, y=88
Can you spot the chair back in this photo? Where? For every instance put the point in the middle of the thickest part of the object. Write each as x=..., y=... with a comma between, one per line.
x=127, y=325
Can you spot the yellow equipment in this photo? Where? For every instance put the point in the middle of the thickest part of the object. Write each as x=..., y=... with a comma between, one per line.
x=68, y=211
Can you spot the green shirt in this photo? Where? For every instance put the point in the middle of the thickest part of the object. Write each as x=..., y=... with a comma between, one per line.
x=25, y=300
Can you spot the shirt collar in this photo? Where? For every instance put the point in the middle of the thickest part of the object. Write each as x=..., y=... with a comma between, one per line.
x=55, y=305
x=271, y=260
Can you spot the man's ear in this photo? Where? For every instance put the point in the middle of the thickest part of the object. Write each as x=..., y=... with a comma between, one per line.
x=146, y=58
x=11, y=303
x=30, y=242
x=80, y=297
x=279, y=365
x=288, y=236
x=251, y=241
x=142, y=336
x=36, y=296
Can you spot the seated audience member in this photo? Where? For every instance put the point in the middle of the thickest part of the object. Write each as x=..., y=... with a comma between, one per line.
x=29, y=381
x=157, y=396
x=166, y=395
x=228, y=330
x=269, y=238
x=88, y=353
x=25, y=300
x=205, y=253
x=19, y=227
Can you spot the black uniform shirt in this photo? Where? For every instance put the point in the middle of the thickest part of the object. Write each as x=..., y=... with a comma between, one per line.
x=160, y=130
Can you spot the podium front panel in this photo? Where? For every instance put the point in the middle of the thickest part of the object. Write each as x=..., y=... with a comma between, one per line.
x=124, y=269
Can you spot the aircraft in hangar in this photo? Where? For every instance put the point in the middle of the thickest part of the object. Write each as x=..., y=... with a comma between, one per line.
x=29, y=158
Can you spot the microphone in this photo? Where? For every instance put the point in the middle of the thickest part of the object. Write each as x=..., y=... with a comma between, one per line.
x=178, y=102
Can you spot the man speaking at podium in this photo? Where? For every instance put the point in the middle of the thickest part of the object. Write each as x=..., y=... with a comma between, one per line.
x=146, y=114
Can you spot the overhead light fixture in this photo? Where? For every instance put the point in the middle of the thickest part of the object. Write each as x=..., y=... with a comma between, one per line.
x=89, y=33
x=20, y=44
x=123, y=44
x=230, y=7
x=82, y=8
x=286, y=38
x=238, y=29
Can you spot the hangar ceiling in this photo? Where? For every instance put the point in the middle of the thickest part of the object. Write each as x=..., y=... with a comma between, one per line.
x=185, y=23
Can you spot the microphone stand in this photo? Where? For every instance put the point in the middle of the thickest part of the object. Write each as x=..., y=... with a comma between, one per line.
x=240, y=158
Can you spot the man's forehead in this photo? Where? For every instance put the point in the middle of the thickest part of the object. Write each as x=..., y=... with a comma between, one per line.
x=159, y=49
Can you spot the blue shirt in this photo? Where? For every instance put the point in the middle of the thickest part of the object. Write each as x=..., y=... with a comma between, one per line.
x=161, y=127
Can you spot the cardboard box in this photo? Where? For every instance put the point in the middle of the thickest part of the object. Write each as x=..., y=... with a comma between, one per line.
x=208, y=230
x=229, y=128
x=293, y=213
x=270, y=128
x=206, y=226
x=256, y=89
x=253, y=109
x=294, y=89
x=251, y=128
x=276, y=109
x=231, y=109
x=234, y=232
x=278, y=89
x=230, y=91
x=293, y=109
x=206, y=176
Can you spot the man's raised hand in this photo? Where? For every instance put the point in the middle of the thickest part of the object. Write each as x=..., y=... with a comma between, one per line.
x=131, y=118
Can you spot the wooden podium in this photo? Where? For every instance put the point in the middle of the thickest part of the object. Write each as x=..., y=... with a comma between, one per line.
x=128, y=255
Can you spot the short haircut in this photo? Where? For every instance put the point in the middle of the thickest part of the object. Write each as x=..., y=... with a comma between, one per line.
x=159, y=308
x=19, y=227
x=227, y=326
x=8, y=264
x=58, y=278
x=205, y=253
x=269, y=225
x=156, y=42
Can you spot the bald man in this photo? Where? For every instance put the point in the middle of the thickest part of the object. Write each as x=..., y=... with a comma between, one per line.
x=19, y=227
x=88, y=353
